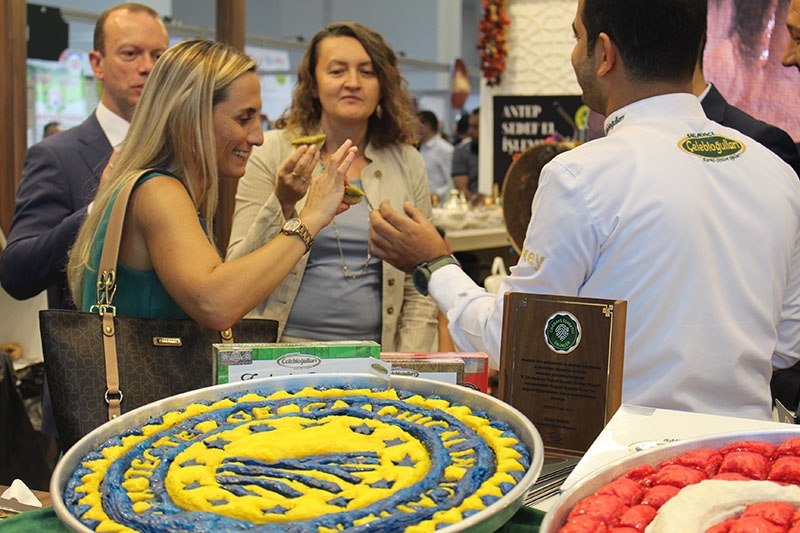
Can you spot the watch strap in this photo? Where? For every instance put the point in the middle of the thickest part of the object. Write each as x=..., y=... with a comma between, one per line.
x=301, y=231
x=422, y=272
x=439, y=262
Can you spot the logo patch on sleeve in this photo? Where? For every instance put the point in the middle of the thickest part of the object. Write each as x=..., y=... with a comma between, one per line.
x=712, y=147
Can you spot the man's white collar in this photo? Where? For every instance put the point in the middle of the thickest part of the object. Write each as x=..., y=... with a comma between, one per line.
x=114, y=126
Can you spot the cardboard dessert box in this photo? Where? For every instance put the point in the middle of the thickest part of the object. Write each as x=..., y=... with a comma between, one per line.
x=447, y=370
x=443, y=366
x=243, y=362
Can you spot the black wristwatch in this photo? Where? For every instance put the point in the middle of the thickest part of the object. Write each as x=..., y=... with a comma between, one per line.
x=422, y=273
x=295, y=226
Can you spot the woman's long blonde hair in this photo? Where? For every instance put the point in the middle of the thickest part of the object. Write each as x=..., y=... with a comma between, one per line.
x=172, y=128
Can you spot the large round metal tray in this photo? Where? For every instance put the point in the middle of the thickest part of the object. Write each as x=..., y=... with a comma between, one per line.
x=557, y=515
x=489, y=519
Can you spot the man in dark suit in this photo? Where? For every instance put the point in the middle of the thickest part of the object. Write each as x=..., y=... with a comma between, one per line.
x=61, y=173
x=719, y=110
x=786, y=382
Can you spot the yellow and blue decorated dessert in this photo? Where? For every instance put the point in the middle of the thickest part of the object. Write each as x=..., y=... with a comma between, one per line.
x=316, y=460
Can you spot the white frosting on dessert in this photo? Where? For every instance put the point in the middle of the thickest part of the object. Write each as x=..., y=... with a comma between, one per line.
x=698, y=507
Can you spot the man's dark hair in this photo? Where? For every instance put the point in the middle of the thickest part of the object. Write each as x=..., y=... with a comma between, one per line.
x=702, y=53
x=462, y=125
x=658, y=40
x=49, y=126
x=429, y=118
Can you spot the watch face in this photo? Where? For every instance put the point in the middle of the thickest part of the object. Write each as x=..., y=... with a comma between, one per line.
x=420, y=279
x=293, y=224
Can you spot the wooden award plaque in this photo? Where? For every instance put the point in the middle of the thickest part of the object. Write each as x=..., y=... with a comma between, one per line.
x=561, y=365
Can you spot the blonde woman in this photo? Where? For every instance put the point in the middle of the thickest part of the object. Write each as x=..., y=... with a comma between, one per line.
x=348, y=87
x=197, y=121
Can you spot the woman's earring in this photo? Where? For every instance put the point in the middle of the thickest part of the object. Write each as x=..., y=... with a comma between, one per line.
x=379, y=112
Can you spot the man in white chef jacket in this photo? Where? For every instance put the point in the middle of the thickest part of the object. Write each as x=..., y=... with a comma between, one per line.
x=664, y=212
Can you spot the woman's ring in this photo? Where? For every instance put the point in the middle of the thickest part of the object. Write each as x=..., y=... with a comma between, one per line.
x=296, y=175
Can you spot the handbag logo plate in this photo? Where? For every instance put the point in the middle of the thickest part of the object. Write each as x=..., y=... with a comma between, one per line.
x=167, y=341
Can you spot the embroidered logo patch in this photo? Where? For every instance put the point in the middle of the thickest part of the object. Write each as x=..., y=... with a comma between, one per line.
x=616, y=120
x=711, y=146
x=562, y=332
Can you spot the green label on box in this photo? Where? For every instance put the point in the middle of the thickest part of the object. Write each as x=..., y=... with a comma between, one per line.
x=241, y=362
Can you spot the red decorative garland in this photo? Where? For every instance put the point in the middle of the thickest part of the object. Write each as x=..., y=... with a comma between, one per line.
x=493, y=30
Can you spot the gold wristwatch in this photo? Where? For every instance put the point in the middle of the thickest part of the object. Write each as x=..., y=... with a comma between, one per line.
x=295, y=226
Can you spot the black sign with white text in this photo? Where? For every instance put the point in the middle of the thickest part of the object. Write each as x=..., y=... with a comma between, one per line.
x=523, y=121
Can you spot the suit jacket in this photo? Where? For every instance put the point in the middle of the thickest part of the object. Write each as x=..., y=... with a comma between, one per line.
x=60, y=175
x=774, y=138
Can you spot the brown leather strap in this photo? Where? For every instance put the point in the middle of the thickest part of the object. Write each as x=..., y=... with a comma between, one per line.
x=113, y=394
x=108, y=259
x=108, y=263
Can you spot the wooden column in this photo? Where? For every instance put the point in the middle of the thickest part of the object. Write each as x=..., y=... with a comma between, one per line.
x=13, y=55
x=230, y=29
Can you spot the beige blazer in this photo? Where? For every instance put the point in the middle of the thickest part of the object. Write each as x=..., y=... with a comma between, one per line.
x=397, y=174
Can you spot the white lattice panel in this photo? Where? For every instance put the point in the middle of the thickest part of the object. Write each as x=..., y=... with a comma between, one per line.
x=540, y=44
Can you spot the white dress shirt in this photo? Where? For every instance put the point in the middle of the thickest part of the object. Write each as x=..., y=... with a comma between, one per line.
x=438, y=156
x=706, y=251
x=114, y=126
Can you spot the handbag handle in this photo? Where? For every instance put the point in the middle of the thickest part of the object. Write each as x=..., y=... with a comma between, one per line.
x=106, y=288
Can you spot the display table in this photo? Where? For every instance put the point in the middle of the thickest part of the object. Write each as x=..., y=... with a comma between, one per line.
x=632, y=428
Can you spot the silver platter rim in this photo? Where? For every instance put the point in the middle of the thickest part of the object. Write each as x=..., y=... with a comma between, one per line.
x=556, y=517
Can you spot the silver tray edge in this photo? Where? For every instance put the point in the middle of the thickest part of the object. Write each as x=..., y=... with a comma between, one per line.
x=556, y=517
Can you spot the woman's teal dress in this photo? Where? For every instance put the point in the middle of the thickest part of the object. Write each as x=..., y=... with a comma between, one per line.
x=139, y=294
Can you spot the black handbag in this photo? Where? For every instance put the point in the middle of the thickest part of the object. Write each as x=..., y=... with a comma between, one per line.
x=99, y=365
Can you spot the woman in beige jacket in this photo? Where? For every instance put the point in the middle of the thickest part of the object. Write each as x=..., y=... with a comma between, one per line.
x=348, y=87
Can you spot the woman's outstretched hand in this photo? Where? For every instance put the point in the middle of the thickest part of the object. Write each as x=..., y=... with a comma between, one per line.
x=294, y=176
x=325, y=193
